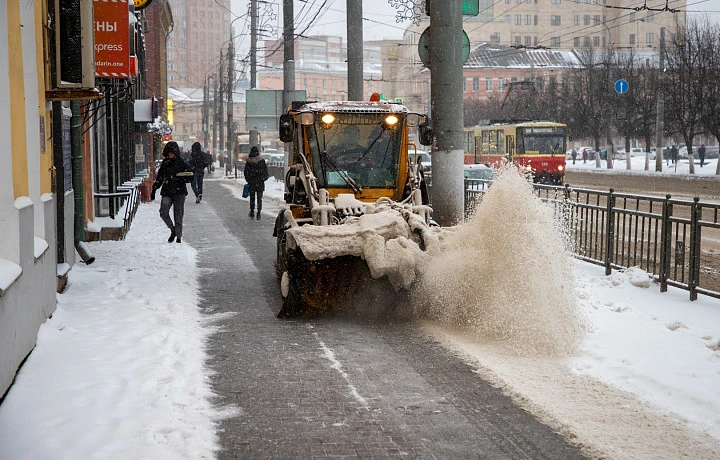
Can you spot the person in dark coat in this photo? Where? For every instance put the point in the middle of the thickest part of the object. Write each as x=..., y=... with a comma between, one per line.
x=256, y=173
x=674, y=153
x=172, y=176
x=701, y=151
x=198, y=163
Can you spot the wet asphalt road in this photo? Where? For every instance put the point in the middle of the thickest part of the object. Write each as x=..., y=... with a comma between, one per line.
x=335, y=387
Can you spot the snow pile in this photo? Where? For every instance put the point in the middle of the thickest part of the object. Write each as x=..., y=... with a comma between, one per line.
x=507, y=275
x=387, y=237
x=633, y=275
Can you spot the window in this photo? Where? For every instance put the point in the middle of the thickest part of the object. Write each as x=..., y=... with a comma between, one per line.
x=632, y=17
x=650, y=38
x=576, y=20
x=596, y=19
x=555, y=42
x=495, y=38
x=555, y=20
x=518, y=40
x=501, y=84
x=555, y=2
x=476, y=84
x=535, y=19
x=464, y=85
x=586, y=20
x=586, y=41
x=518, y=19
x=528, y=19
x=632, y=39
x=488, y=84
x=650, y=16
x=576, y=42
x=508, y=19
x=596, y=41
x=528, y=40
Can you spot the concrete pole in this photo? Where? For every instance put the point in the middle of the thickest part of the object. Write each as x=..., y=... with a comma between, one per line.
x=446, y=66
x=659, y=121
x=215, y=113
x=355, y=50
x=221, y=115
x=206, y=114
x=288, y=66
x=253, y=63
x=231, y=87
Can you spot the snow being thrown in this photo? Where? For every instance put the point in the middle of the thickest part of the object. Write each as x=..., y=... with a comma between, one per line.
x=507, y=274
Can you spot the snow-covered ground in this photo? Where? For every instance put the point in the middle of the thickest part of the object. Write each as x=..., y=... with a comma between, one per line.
x=118, y=371
x=637, y=166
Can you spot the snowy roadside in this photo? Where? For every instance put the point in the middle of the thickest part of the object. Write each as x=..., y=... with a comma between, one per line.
x=119, y=370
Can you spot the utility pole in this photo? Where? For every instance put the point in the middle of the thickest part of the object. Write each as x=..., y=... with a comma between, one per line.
x=215, y=113
x=206, y=114
x=355, y=50
x=221, y=116
x=288, y=66
x=446, y=89
x=659, y=121
x=231, y=87
x=253, y=62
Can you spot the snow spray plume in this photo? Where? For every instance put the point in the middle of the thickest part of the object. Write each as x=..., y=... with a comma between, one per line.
x=507, y=274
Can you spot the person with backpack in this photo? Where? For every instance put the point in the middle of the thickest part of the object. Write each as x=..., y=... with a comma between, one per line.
x=172, y=176
x=256, y=173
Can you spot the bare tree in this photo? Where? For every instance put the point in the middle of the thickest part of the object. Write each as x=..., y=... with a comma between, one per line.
x=685, y=99
x=710, y=56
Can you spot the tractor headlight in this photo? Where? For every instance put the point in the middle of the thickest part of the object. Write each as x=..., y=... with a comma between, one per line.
x=391, y=121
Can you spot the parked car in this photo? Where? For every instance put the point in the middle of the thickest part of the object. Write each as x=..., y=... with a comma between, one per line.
x=479, y=171
x=424, y=157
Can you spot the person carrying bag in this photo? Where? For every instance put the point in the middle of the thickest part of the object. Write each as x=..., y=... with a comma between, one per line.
x=256, y=173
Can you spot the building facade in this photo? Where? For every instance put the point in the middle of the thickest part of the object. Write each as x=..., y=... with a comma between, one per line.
x=201, y=29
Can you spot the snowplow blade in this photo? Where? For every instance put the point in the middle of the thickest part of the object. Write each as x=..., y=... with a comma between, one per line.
x=337, y=286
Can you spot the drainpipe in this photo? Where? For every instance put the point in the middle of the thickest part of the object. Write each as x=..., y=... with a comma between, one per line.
x=77, y=178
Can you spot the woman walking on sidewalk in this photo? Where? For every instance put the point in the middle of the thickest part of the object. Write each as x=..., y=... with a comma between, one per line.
x=172, y=176
x=256, y=173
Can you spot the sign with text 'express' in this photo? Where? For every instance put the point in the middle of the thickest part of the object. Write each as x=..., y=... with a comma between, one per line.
x=112, y=38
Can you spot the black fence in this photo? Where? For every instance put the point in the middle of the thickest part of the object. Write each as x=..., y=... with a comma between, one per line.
x=676, y=241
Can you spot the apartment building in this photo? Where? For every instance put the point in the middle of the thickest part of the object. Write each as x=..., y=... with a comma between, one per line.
x=201, y=29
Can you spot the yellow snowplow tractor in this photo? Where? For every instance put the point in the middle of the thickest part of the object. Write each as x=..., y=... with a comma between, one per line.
x=358, y=209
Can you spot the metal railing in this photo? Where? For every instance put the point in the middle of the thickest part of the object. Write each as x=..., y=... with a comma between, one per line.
x=676, y=241
x=128, y=195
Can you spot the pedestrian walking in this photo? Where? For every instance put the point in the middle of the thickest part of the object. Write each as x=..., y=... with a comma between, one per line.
x=573, y=154
x=585, y=156
x=210, y=162
x=674, y=153
x=256, y=173
x=701, y=152
x=172, y=176
x=198, y=163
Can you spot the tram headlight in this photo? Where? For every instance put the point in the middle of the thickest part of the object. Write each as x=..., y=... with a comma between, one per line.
x=561, y=167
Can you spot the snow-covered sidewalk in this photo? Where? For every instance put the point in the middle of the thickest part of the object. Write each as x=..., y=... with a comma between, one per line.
x=118, y=371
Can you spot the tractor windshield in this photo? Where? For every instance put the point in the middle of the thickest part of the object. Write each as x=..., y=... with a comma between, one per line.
x=356, y=150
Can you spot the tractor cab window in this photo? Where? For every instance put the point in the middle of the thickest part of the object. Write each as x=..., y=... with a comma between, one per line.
x=356, y=146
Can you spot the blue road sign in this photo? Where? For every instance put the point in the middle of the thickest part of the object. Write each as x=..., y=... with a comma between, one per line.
x=621, y=86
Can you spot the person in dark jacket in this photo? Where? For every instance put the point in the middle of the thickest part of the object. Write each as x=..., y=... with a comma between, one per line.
x=198, y=163
x=702, y=151
x=256, y=173
x=172, y=176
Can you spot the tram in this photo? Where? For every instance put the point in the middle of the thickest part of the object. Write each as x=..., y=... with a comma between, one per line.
x=536, y=146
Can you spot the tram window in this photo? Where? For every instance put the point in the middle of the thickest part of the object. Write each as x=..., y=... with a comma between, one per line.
x=485, y=142
x=492, y=142
x=501, y=142
x=478, y=145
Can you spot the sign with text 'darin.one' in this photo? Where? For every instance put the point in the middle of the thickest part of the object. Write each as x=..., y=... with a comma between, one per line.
x=112, y=38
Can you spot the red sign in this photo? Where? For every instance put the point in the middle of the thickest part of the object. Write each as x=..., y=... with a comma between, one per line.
x=112, y=38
